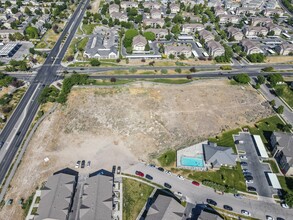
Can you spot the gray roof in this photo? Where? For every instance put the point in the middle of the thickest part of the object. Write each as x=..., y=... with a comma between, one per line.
x=165, y=208
x=208, y=216
x=285, y=141
x=219, y=155
x=97, y=199
x=56, y=197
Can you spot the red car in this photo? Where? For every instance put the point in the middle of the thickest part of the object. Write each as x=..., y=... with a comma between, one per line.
x=138, y=173
x=195, y=183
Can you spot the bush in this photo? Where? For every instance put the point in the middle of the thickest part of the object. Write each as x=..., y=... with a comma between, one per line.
x=219, y=187
x=95, y=62
x=242, y=78
x=226, y=67
x=261, y=79
x=164, y=71
x=192, y=69
x=178, y=70
x=275, y=78
x=273, y=103
x=256, y=58
x=257, y=86
x=280, y=109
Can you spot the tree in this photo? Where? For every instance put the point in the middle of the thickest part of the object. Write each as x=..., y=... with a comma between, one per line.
x=273, y=103
x=275, y=78
x=32, y=50
x=286, y=127
x=242, y=78
x=164, y=71
x=27, y=11
x=261, y=79
x=257, y=86
x=55, y=28
x=189, y=77
x=280, y=109
x=256, y=58
x=149, y=36
x=95, y=62
x=14, y=10
x=147, y=47
x=113, y=80
x=289, y=196
x=178, y=70
x=192, y=69
x=168, y=37
x=128, y=37
x=176, y=29
x=171, y=56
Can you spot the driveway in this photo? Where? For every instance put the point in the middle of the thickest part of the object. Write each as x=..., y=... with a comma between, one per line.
x=198, y=194
x=255, y=167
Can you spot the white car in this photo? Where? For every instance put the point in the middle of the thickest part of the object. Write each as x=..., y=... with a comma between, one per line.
x=244, y=212
x=268, y=217
x=284, y=205
x=249, y=181
x=77, y=164
x=168, y=172
x=243, y=157
x=180, y=177
x=178, y=193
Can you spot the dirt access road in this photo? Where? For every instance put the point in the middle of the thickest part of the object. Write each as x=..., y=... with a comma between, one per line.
x=122, y=124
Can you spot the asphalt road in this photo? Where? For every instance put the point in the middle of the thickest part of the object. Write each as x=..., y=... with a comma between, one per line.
x=198, y=194
x=20, y=121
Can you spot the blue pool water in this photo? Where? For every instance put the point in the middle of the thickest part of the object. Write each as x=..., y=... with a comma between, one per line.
x=192, y=161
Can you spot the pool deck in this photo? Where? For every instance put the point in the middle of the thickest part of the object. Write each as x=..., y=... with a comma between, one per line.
x=192, y=151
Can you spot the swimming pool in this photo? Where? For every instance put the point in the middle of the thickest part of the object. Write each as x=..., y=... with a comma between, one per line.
x=192, y=161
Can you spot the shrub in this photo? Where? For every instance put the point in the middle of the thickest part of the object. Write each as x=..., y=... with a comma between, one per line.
x=178, y=70
x=242, y=78
x=164, y=71
x=280, y=109
x=95, y=62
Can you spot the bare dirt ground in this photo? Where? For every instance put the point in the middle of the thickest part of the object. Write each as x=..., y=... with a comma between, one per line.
x=119, y=125
x=279, y=59
x=95, y=6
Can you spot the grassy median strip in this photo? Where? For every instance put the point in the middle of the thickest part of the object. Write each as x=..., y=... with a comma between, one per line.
x=135, y=195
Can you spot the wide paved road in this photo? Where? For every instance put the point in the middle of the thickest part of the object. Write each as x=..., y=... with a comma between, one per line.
x=198, y=194
x=23, y=115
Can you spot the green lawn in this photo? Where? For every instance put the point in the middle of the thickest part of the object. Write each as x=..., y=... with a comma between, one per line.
x=168, y=158
x=135, y=195
x=286, y=183
x=286, y=93
x=226, y=139
x=231, y=177
x=265, y=127
x=82, y=44
x=88, y=28
x=171, y=81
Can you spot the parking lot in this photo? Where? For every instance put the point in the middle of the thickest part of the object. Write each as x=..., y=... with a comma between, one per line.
x=251, y=163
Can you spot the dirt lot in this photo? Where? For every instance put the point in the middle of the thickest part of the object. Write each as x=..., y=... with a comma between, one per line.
x=279, y=59
x=123, y=124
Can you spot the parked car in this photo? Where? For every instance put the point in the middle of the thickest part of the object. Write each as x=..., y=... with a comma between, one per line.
x=167, y=185
x=227, y=207
x=249, y=181
x=178, y=193
x=113, y=169
x=82, y=164
x=118, y=170
x=168, y=172
x=248, y=177
x=247, y=173
x=245, y=170
x=180, y=177
x=195, y=183
x=237, y=195
x=244, y=212
x=88, y=164
x=161, y=169
x=149, y=177
x=151, y=165
x=285, y=206
x=138, y=173
x=243, y=157
x=211, y=202
x=268, y=217
x=77, y=164
x=251, y=189
x=243, y=163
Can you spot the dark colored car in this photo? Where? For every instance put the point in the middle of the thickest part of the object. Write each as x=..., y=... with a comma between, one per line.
x=1, y=143
x=211, y=202
x=227, y=207
x=18, y=133
x=195, y=183
x=251, y=189
x=247, y=174
x=118, y=170
x=161, y=169
x=113, y=169
x=243, y=163
x=149, y=177
x=248, y=177
x=167, y=185
x=82, y=164
x=138, y=173
x=152, y=165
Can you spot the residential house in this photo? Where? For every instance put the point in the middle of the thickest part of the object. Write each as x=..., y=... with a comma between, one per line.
x=275, y=28
x=160, y=32
x=271, y=12
x=4, y=34
x=231, y=5
x=214, y=3
x=155, y=14
x=251, y=31
x=271, y=4
x=215, y=48
x=8, y=23
x=216, y=156
x=248, y=10
x=285, y=49
x=139, y=42
x=120, y=16
x=165, y=207
x=178, y=50
x=282, y=144
x=260, y=21
x=103, y=44
x=224, y=19
x=56, y=197
x=252, y=3
x=191, y=28
x=152, y=5
x=17, y=15
x=250, y=47
x=113, y=8
x=206, y=35
x=204, y=215
x=220, y=11
x=235, y=33
x=175, y=8
x=124, y=5
x=45, y=18
x=155, y=23
x=96, y=199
